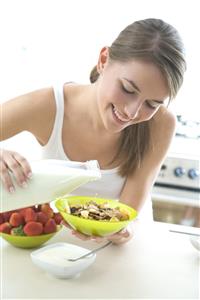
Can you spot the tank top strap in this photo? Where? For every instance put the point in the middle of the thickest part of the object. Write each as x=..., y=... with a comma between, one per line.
x=54, y=147
x=59, y=100
x=60, y=107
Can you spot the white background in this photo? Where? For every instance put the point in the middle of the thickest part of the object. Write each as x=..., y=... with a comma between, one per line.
x=43, y=41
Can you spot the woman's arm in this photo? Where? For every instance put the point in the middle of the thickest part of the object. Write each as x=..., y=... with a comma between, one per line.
x=138, y=186
x=33, y=112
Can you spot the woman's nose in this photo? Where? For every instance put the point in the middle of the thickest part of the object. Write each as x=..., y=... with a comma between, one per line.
x=132, y=109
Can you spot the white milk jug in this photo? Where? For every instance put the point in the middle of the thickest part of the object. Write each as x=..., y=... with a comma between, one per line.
x=51, y=179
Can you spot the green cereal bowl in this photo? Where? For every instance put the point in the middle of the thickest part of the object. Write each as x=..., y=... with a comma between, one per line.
x=28, y=242
x=93, y=227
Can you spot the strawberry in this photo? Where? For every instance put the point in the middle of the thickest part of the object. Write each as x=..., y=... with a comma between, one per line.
x=16, y=219
x=5, y=227
x=37, y=208
x=22, y=211
x=34, y=207
x=45, y=208
x=1, y=219
x=30, y=215
x=42, y=217
x=50, y=226
x=6, y=215
x=33, y=228
x=58, y=218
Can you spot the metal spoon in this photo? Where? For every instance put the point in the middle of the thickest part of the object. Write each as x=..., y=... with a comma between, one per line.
x=90, y=252
x=184, y=232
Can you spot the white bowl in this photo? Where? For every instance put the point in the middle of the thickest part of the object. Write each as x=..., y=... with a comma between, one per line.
x=53, y=260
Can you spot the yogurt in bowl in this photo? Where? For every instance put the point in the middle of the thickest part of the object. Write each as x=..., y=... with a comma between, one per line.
x=54, y=260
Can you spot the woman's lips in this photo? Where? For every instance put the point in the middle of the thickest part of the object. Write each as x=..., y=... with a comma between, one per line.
x=118, y=116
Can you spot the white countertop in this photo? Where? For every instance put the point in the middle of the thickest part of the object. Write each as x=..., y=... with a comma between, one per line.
x=155, y=264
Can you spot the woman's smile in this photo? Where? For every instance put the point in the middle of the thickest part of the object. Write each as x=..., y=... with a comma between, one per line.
x=118, y=116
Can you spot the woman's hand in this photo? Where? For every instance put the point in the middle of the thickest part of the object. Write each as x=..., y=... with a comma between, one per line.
x=11, y=161
x=120, y=237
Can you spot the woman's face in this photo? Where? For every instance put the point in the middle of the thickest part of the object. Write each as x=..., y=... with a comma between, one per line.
x=129, y=92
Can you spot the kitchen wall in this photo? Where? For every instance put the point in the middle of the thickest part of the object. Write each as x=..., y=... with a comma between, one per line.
x=49, y=40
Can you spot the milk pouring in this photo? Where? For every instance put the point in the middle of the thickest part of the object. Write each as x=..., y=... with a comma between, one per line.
x=51, y=179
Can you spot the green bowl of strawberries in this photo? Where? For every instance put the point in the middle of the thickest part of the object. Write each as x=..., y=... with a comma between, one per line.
x=29, y=227
x=28, y=241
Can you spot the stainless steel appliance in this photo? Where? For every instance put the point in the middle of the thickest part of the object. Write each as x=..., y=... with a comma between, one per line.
x=176, y=192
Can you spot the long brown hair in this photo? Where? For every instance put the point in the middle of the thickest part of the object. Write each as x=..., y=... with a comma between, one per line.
x=160, y=43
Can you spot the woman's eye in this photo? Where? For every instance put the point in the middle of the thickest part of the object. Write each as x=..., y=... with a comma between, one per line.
x=152, y=106
x=127, y=91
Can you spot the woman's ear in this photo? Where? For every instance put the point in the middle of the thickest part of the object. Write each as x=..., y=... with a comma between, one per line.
x=103, y=59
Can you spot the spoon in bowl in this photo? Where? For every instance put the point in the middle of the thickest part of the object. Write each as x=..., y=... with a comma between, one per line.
x=90, y=252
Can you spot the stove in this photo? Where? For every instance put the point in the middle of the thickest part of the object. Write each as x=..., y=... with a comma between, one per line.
x=176, y=192
x=179, y=180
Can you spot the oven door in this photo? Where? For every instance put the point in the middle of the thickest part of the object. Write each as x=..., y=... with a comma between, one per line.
x=180, y=207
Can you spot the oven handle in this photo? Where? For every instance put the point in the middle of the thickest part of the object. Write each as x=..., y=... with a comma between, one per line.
x=178, y=187
x=158, y=197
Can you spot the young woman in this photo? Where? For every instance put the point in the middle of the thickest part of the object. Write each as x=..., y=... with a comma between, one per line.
x=121, y=119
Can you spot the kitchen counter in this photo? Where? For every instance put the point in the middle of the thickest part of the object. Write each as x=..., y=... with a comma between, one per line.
x=155, y=264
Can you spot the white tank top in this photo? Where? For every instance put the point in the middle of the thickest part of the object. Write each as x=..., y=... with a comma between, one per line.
x=111, y=183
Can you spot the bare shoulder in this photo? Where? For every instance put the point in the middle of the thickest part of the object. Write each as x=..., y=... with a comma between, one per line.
x=33, y=112
x=162, y=126
x=164, y=117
